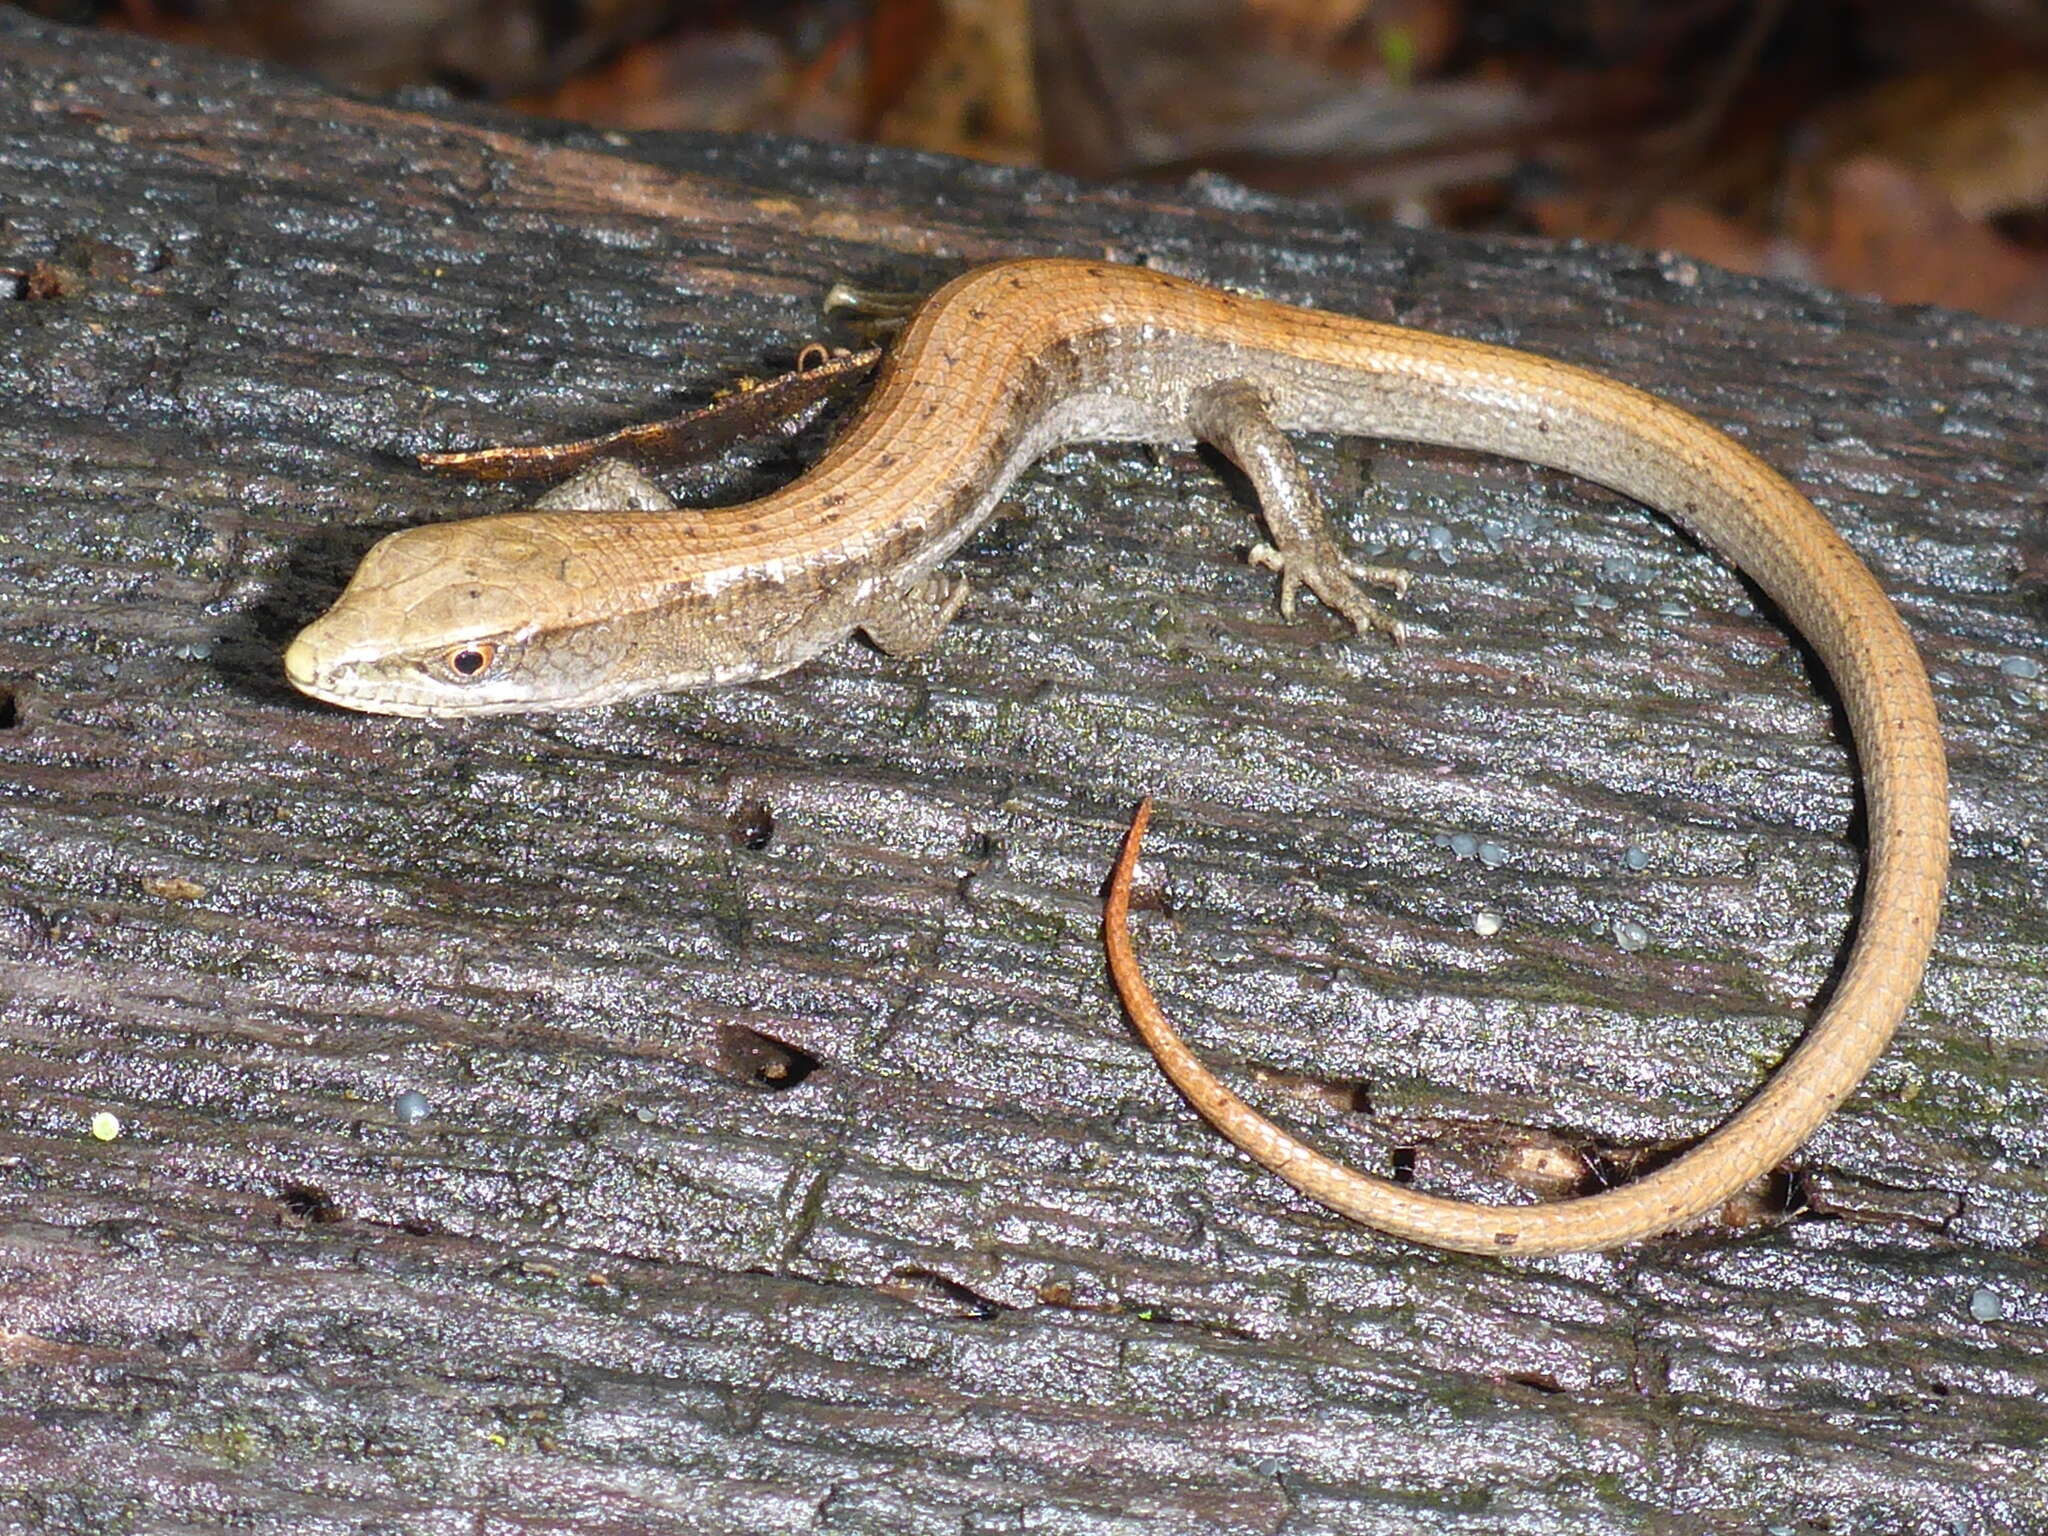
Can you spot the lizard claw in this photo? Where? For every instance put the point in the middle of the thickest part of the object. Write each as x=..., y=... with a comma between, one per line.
x=1335, y=582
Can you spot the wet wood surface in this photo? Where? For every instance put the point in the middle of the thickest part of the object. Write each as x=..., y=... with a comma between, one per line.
x=711, y=1115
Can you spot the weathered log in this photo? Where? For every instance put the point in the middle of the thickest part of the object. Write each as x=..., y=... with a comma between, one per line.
x=711, y=1115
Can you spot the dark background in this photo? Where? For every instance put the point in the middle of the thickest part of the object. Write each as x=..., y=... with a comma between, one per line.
x=1881, y=146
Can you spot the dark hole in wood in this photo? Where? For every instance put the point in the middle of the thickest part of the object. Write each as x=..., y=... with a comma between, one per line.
x=306, y=1206
x=1789, y=1194
x=1404, y=1165
x=761, y=1059
x=10, y=712
x=950, y=1292
x=751, y=825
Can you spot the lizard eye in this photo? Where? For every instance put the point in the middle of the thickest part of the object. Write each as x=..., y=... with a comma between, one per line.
x=470, y=662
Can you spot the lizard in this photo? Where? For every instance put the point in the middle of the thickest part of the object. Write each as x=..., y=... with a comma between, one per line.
x=603, y=590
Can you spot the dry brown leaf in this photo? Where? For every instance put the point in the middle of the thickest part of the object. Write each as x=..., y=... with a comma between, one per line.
x=974, y=94
x=1979, y=135
x=1883, y=230
x=899, y=37
x=728, y=81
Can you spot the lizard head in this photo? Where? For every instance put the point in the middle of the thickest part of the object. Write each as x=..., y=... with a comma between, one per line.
x=457, y=619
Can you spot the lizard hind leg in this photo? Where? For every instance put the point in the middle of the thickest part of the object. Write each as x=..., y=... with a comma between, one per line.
x=1233, y=416
x=907, y=620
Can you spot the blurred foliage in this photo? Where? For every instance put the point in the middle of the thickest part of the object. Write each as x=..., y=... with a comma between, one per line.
x=1877, y=145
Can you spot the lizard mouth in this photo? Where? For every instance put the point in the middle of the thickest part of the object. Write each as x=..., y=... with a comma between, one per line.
x=301, y=665
x=315, y=669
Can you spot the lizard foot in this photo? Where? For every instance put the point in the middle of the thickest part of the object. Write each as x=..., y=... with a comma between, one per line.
x=1335, y=580
x=1234, y=416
